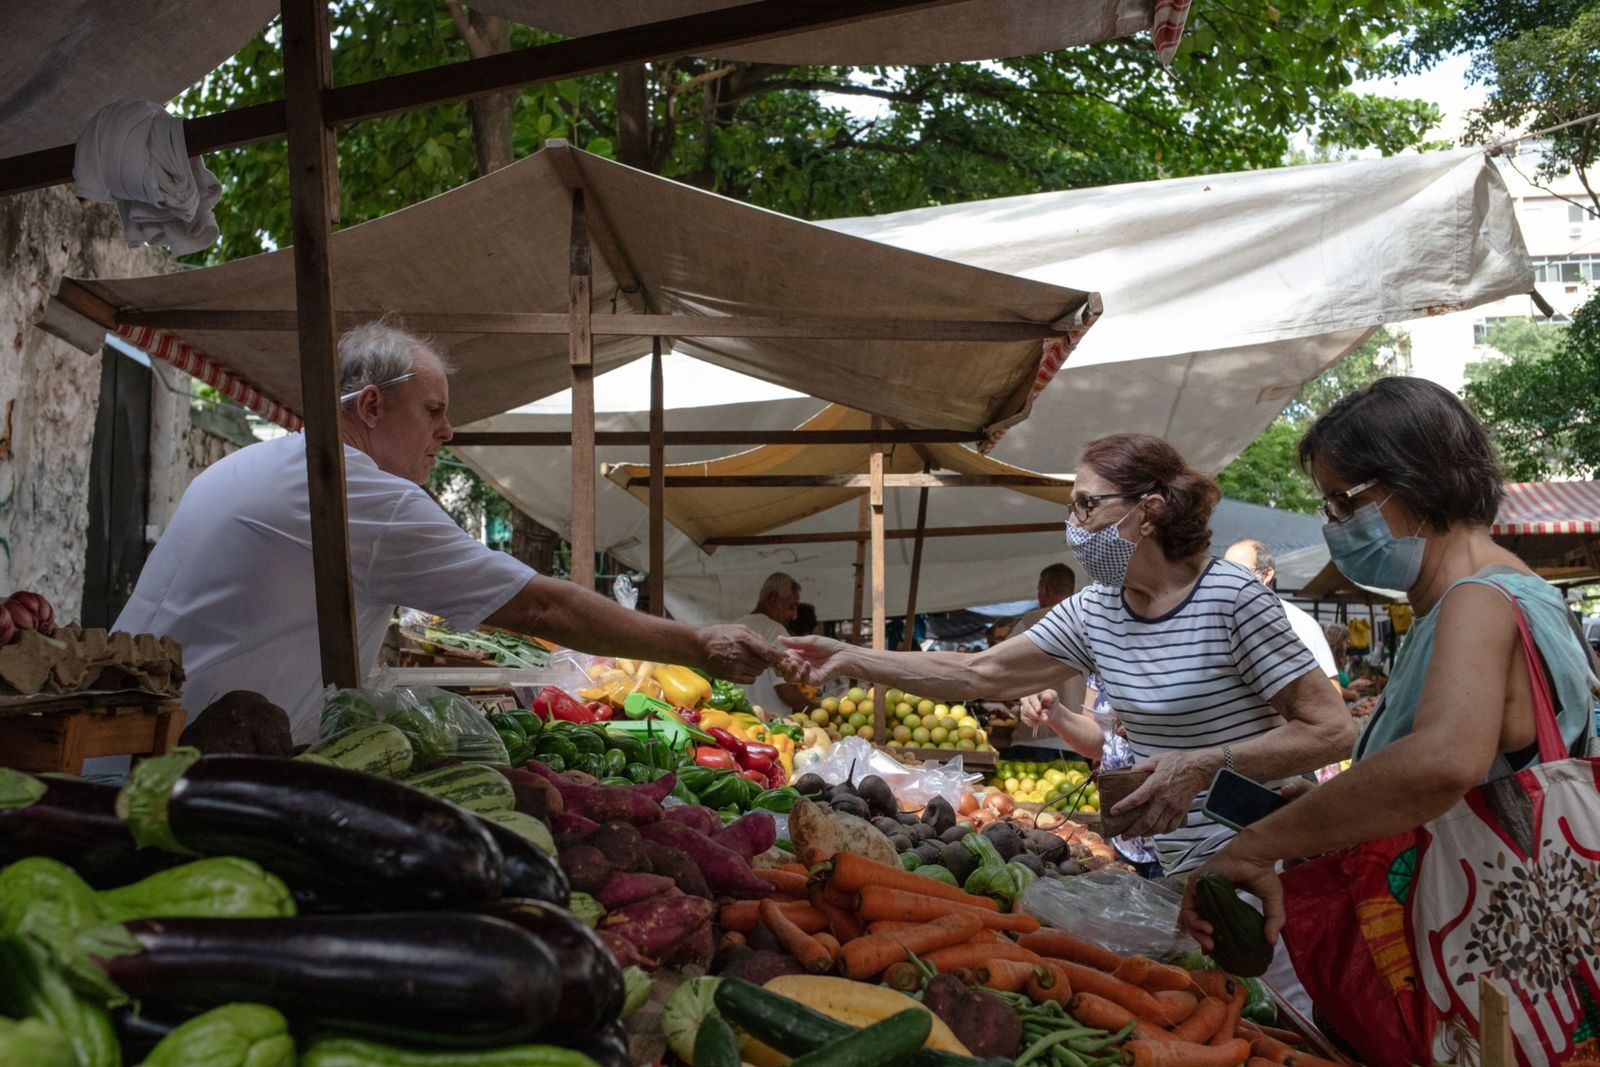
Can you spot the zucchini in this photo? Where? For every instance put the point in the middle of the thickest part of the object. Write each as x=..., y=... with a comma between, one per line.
x=1238, y=930
x=887, y=1042
x=714, y=1045
x=475, y=786
x=376, y=748
x=794, y=1029
x=349, y=1052
x=525, y=825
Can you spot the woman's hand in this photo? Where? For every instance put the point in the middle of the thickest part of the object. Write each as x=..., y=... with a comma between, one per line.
x=1038, y=708
x=1249, y=874
x=812, y=660
x=1176, y=779
x=1361, y=683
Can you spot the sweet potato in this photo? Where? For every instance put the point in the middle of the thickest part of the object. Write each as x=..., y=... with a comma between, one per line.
x=658, y=790
x=725, y=870
x=568, y=822
x=626, y=952
x=621, y=845
x=676, y=864
x=624, y=888
x=586, y=868
x=655, y=926
x=602, y=803
x=693, y=950
x=697, y=816
x=536, y=795
x=749, y=835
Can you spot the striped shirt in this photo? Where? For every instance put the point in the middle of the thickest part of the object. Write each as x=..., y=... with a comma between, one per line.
x=1200, y=676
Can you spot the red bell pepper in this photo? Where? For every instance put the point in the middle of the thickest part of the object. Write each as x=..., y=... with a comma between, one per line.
x=689, y=715
x=712, y=756
x=757, y=777
x=601, y=712
x=759, y=757
x=553, y=702
x=727, y=740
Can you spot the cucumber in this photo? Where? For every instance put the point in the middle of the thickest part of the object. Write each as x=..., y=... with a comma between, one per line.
x=794, y=1029
x=886, y=1042
x=714, y=1045
x=1238, y=930
x=376, y=748
x=475, y=786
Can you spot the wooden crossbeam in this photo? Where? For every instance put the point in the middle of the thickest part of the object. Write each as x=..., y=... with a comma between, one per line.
x=898, y=534
x=561, y=438
x=859, y=481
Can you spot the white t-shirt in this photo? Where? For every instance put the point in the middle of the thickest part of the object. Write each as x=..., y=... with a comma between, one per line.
x=231, y=580
x=1310, y=633
x=1200, y=676
x=763, y=692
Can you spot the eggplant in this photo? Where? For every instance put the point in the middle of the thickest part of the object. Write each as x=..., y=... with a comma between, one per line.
x=335, y=835
x=530, y=874
x=607, y=1046
x=442, y=978
x=592, y=991
x=141, y=1027
x=76, y=822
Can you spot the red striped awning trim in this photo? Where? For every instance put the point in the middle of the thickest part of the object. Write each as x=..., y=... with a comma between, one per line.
x=1549, y=508
x=170, y=348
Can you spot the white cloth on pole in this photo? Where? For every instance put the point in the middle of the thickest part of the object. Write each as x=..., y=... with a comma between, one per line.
x=132, y=154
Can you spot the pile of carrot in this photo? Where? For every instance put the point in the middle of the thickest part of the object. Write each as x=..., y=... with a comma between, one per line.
x=867, y=921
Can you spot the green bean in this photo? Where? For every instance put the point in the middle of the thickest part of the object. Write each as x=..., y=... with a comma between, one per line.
x=1102, y=1043
x=1053, y=1041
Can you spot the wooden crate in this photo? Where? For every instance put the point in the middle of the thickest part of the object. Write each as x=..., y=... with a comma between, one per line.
x=977, y=762
x=60, y=734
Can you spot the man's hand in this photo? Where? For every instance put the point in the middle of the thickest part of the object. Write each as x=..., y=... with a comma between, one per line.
x=1038, y=708
x=736, y=653
x=1246, y=872
x=1361, y=683
x=1177, y=778
x=812, y=660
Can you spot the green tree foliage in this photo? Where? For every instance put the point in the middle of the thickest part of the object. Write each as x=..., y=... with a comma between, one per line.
x=1541, y=401
x=1246, y=78
x=1267, y=471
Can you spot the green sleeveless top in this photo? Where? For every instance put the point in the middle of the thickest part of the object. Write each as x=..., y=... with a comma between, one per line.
x=1563, y=651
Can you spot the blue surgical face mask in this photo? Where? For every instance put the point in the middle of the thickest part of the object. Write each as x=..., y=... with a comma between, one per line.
x=1103, y=554
x=1366, y=552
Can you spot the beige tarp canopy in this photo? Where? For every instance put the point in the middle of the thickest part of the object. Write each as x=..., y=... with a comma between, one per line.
x=484, y=268
x=63, y=60
x=975, y=29
x=712, y=513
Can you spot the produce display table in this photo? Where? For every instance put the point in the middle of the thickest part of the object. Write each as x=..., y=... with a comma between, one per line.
x=60, y=733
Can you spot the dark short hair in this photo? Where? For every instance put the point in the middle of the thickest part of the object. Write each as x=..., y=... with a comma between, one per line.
x=1140, y=463
x=1059, y=579
x=1416, y=438
x=805, y=620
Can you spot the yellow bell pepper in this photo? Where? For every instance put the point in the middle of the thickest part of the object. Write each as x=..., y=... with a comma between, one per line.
x=684, y=688
x=785, y=746
x=747, y=727
x=712, y=717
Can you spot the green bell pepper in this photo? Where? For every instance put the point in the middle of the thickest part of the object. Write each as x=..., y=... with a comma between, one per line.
x=1259, y=1007
x=658, y=754
x=234, y=1035
x=553, y=744
x=532, y=726
x=725, y=696
x=727, y=793
x=780, y=800
x=554, y=762
x=616, y=763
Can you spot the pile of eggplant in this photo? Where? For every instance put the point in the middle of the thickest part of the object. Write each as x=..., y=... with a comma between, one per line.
x=412, y=920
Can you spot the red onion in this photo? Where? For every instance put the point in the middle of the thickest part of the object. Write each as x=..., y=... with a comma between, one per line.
x=21, y=615
x=44, y=616
x=8, y=629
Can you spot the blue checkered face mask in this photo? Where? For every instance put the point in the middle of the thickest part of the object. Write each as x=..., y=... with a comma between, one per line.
x=1104, y=554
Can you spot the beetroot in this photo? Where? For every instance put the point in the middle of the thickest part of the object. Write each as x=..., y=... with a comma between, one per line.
x=655, y=926
x=676, y=864
x=586, y=868
x=697, y=816
x=726, y=871
x=623, y=888
x=749, y=835
x=758, y=967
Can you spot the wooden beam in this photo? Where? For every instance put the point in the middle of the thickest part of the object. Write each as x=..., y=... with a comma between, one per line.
x=859, y=481
x=879, y=598
x=580, y=356
x=897, y=534
x=863, y=523
x=909, y=643
x=313, y=177
x=1494, y=1024
x=789, y=327
x=666, y=39
x=601, y=232
x=561, y=438
x=658, y=486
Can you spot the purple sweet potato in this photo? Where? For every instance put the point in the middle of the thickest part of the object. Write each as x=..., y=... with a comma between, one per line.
x=749, y=835
x=622, y=846
x=658, y=790
x=695, y=816
x=626, y=953
x=726, y=871
x=586, y=868
x=676, y=864
x=602, y=803
x=694, y=950
x=624, y=888
x=655, y=926
x=569, y=822
x=536, y=795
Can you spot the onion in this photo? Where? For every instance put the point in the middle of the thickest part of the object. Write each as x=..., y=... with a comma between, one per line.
x=8, y=629
x=21, y=615
x=44, y=616
x=968, y=805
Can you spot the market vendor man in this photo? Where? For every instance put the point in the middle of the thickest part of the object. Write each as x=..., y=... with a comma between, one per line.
x=231, y=577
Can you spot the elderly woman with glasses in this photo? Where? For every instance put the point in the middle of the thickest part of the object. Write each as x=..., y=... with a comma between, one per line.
x=1196, y=655
x=1410, y=485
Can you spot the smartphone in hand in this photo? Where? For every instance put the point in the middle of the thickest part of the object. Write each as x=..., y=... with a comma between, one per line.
x=1236, y=801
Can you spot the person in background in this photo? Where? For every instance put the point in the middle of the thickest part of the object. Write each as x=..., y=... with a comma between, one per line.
x=805, y=620
x=1055, y=721
x=1257, y=557
x=777, y=607
x=1338, y=636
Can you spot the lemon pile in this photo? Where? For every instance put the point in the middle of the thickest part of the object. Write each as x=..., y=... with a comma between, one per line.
x=911, y=721
x=1036, y=781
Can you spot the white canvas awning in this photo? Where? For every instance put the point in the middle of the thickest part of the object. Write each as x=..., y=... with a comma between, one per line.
x=459, y=265
x=974, y=29
x=1225, y=295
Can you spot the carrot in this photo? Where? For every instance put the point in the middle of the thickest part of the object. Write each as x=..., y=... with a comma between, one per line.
x=1134, y=969
x=1270, y=1048
x=1049, y=984
x=829, y=942
x=1178, y=1004
x=1184, y=1054
x=1008, y=976
x=1088, y=980
x=1065, y=946
x=840, y=898
x=1230, y=1021
x=882, y=902
x=902, y=976
x=1093, y=1010
x=799, y=944
x=742, y=915
x=845, y=926
x=1204, y=1023
x=785, y=882
x=893, y=926
x=1301, y=1059
x=795, y=868
x=854, y=873
x=975, y=953
x=1257, y=1061
x=1166, y=976
x=1288, y=1037
x=1213, y=984
x=867, y=956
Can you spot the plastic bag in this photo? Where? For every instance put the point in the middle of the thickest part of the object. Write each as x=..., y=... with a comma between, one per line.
x=854, y=759
x=439, y=724
x=1118, y=909
x=623, y=592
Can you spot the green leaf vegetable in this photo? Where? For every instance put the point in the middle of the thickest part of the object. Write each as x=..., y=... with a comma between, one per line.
x=234, y=1035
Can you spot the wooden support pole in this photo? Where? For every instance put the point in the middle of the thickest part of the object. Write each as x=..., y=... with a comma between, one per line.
x=1494, y=1024
x=313, y=177
x=879, y=606
x=909, y=643
x=863, y=524
x=658, y=485
x=580, y=355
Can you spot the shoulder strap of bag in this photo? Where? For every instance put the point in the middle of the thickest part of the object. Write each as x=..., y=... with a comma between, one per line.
x=1552, y=746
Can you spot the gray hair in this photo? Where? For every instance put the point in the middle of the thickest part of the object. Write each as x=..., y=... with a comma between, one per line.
x=777, y=584
x=1262, y=556
x=377, y=352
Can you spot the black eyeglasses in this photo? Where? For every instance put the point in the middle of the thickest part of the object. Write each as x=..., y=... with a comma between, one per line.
x=1341, y=506
x=1083, y=504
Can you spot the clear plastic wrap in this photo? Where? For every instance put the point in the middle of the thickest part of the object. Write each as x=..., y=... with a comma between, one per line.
x=851, y=758
x=439, y=724
x=1126, y=913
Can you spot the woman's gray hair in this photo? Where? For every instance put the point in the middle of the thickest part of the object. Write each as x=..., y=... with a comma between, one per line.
x=378, y=352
